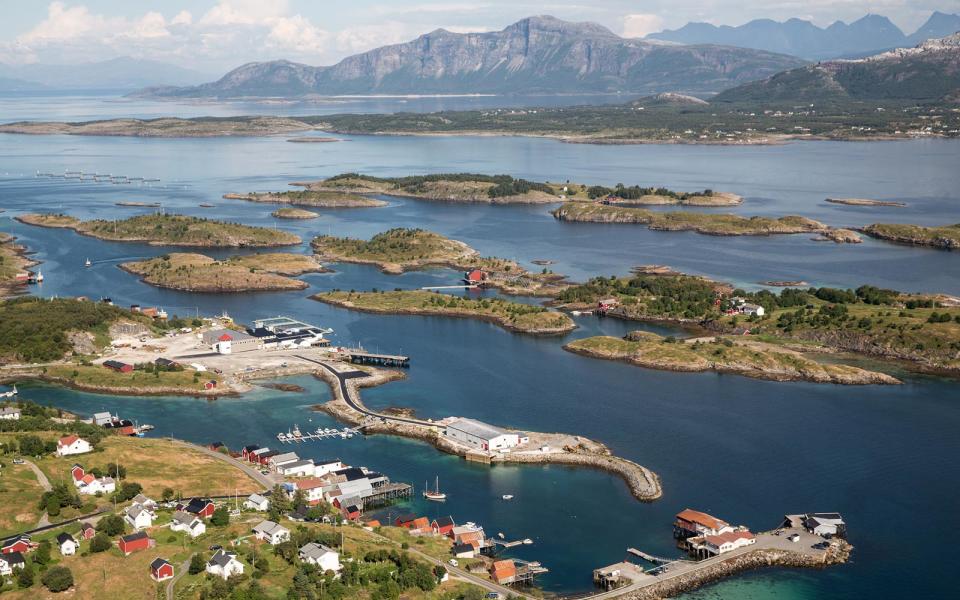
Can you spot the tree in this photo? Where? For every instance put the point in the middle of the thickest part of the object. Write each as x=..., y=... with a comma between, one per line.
x=128, y=489
x=42, y=554
x=53, y=506
x=112, y=525
x=31, y=445
x=197, y=564
x=57, y=579
x=167, y=494
x=25, y=576
x=279, y=499
x=100, y=543
x=117, y=471
x=221, y=517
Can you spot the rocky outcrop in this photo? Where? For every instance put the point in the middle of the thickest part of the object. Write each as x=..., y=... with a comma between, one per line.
x=537, y=54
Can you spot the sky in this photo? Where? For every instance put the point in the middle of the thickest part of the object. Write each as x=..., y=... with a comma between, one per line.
x=215, y=35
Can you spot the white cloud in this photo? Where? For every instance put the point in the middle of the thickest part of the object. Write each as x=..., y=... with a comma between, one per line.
x=183, y=18
x=639, y=25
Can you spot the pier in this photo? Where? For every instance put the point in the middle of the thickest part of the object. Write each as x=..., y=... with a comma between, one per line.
x=372, y=358
x=387, y=494
x=294, y=436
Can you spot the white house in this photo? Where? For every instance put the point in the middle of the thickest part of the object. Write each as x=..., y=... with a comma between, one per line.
x=11, y=561
x=139, y=517
x=476, y=434
x=272, y=533
x=300, y=468
x=145, y=502
x=825, y=524
x=72, y=444
x=312, y=489
x=751, y=309
x=10, y=413
x=257, y=502
x=186, y=522
x=92, y=486
x=279, y=460
x=224, y=564
x=321, y=468
x=320, y=555
x=68, y=545
x=722, y=543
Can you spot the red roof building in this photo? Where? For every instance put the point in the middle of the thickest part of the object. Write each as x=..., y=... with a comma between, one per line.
x=693, y=522
x=87, y=531
x=77, y=472
x=443, y=525
x=475, y=276
x=503, y=571
x=404, y=520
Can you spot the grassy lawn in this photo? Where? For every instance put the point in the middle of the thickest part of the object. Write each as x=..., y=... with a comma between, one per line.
x=395, y=246
x=19, y=492
x=96, y=376
x=197, y=272
x=949, y=234
x=154, y=463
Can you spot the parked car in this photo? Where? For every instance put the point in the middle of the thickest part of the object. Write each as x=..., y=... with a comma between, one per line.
x=492, y=595
x=18, y=461
x=453, y=562
x=794, y=537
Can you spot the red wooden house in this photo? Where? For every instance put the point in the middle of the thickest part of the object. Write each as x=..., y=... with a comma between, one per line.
x=161, y=570
x=134, y=542
x=405, y=520
x=19, y=543
x=77, y=472
x=116, y=365
x=87, y=531
x=202, y=507
x=474, y=277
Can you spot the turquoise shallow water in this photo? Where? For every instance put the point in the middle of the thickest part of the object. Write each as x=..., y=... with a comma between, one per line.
x=747, y=450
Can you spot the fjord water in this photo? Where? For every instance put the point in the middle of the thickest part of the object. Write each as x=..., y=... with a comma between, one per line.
x=746, y=450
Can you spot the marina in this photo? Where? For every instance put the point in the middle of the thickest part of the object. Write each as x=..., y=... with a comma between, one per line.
x=294, y=435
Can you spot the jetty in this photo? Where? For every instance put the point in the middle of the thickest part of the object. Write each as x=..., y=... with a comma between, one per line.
x=294, y=435
x=362, y=357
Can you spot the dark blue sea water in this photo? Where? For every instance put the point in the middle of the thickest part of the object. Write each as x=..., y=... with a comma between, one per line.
x=748, y=451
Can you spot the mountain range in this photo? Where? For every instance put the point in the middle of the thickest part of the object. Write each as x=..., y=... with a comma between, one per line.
x=123, y=73
x=868, y=35
x=535, y=55
x=927, y=73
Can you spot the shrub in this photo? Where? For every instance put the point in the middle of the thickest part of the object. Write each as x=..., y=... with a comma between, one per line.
x=57, y=579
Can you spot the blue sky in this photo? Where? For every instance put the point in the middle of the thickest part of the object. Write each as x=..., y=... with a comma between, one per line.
x=213, y=35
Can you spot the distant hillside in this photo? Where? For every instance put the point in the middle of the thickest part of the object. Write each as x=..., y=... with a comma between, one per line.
x=926, y=73
x=122, y=73
x=535, y=55
x=865, y=36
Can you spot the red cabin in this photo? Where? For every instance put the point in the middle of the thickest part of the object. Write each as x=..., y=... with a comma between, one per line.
x=475, y=276
x=20, y=543
x=87, y=531
x=119, y=367
x=77, y=472
x=202, y=507
x=161, y=570
x=405, y=520
x=443, y=525
x=134, y=542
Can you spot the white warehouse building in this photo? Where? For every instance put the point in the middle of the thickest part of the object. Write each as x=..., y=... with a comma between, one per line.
x=480, y=435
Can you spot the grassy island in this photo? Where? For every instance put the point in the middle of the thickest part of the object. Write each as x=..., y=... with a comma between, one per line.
x=164, y=127
x=294, y=213
x=396, y=250
x=723, y=355
x=706, y=223
x=865, y=202
x=522, y=318
x=312, y=198
x=200, y=273
x=168, y=230
x=921, y=330
x=947, y=237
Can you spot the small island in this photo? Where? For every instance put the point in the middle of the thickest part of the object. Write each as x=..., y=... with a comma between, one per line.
x=312, y=198
x=168, y=230
x=946, y=237
x=513, y=316
x=723, y=355
x=294, y=213
x=705, y=223
x=164, y=127
x=199, y=273
x=865, y=202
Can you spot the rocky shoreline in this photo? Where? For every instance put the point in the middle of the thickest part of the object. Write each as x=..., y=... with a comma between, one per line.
x=37, y=374
x=643, y=483
x=944, y=238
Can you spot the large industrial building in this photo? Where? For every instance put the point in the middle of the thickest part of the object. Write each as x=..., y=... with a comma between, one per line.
x=476, y=434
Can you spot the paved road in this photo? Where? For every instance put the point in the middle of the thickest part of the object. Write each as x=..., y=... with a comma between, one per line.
x=257, y=476
x=179, y=572
x=354, y=402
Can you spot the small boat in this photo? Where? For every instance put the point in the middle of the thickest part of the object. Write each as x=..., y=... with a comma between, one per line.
x=500, y=535
x=527, y=541
x=507, y=496
x=282, y=436
x=206, y=205
x=436, y=495
x=87, y=263
x=10, y=393
x=39, y=276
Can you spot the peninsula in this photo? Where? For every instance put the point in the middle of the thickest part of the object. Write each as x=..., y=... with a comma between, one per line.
x=946, y=237
x=723, y=355
x=168, y=230
x=310, y=197
x=542, y=448
x=918, y=331
x=513, y=316
x=294, y=213
x=705, y=223
x=164, y=127
x=199, y=273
